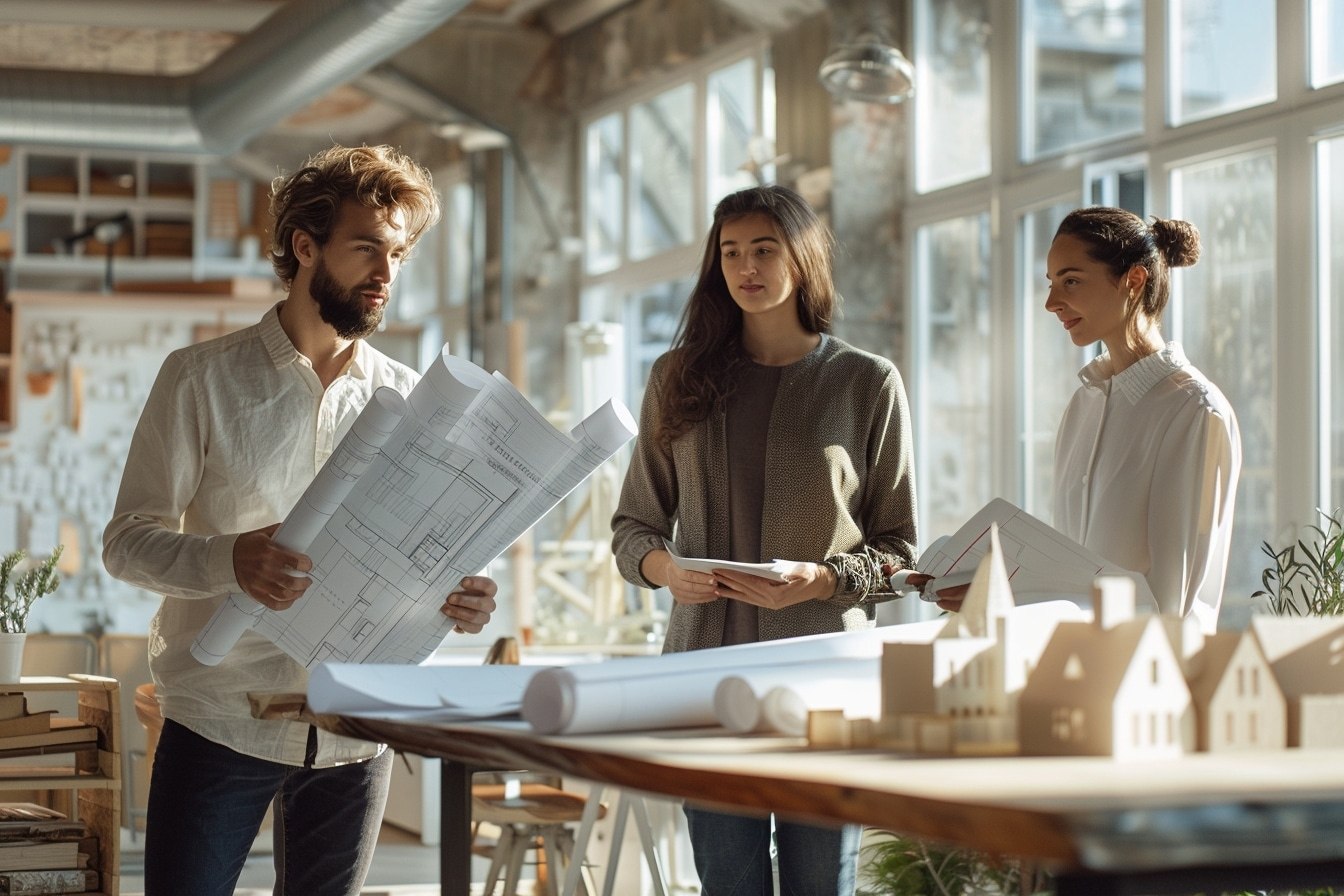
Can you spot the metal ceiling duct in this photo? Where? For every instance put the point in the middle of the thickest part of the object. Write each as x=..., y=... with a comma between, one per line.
x=303, y=50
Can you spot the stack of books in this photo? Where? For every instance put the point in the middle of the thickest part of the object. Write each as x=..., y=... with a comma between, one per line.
x=24, y=733
x=43, y=852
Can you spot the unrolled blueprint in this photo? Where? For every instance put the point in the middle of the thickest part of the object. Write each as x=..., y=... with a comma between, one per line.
x=421, y=492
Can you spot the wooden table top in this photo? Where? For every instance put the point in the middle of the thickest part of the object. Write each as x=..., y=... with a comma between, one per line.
x=1070, y=812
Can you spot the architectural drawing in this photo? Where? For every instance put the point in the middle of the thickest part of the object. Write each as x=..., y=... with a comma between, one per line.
x=1040, y=561
x=420, y=493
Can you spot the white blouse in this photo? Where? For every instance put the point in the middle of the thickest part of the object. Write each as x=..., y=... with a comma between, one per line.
x=1146, y=468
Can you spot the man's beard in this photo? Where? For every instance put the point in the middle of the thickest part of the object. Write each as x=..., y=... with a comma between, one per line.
x=344, y=309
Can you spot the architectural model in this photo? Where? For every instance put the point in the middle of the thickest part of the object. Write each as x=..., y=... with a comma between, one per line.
x=1117, y=684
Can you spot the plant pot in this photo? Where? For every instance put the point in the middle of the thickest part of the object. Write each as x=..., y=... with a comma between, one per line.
x=11, y=656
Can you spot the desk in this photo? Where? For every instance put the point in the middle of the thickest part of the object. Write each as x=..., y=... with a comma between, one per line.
x=1203, y=822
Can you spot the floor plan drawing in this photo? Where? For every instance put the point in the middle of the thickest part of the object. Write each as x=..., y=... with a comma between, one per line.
x=430, y=489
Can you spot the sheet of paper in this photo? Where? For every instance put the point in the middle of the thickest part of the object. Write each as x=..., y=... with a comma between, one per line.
x=1041, y=561
x=775, y=571
x=432, y=489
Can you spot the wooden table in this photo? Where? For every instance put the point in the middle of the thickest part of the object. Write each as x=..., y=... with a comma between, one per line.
x=1203, y=822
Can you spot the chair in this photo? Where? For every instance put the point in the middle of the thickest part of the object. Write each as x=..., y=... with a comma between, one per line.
x=126, y=658
x=531, y=814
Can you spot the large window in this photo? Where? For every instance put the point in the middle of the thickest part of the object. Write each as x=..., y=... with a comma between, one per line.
x=1224, y=317
x=1082, y=73
x=1327, y=42
x=1050, y=360
x=952, y=112
x=1222, y=54
x=954, y=458
x=1226, y=113
x=655, y=163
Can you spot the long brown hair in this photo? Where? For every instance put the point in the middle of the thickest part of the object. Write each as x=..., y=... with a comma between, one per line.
x=374, y=176
x=707, y=351
x=1121, y=239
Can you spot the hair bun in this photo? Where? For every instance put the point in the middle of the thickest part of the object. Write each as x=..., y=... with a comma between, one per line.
x=1178, y=241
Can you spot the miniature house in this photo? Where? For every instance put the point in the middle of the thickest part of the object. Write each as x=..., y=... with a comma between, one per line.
x=958, y=693
x=1306, y=655
x=1238, y=703
x=1110, y=687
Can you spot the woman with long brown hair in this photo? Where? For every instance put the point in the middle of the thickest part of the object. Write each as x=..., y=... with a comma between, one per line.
x=763, y=437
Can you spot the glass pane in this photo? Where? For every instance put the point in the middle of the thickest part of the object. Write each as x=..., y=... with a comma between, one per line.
x=461, y=221
x=1222, y=56
x=602, y=186
x=1225, y=314
x=952, y=103
x=1082, y=75
x=737, y=149
x=1330, y=158
x=1050, y=362
x=661, y=198
x=651, y=318
x=1327, y=42
x=1123, y=187
x=954, y=373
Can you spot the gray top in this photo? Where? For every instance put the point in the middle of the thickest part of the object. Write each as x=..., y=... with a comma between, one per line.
x=838, y=488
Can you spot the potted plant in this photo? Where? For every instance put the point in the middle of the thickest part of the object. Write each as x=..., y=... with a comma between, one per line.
x=18, y=593
x=1306, y=578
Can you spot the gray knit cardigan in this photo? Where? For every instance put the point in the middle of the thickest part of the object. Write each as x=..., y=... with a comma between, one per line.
x=839, y=488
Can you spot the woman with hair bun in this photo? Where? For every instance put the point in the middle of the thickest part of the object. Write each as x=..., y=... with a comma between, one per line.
x=1148, y=452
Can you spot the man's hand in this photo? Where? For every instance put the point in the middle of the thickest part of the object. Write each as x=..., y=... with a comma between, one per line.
x=471, y=605
x=265, y=571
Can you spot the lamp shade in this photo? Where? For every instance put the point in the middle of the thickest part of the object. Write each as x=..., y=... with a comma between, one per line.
x=868, y=71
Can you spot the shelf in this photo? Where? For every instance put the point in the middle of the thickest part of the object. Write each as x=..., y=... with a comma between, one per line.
x=94, y=779
x=185, y=215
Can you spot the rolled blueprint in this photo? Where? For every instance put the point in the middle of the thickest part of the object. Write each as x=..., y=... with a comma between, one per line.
x=353, y=455
x=784, y=708
x=677, y=690
x=738, y=699
x=424, y=693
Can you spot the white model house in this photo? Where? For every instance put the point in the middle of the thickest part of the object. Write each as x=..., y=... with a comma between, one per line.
x=958, y=693
x=1238, y=702
x=1113, y=686
x=1306, y=654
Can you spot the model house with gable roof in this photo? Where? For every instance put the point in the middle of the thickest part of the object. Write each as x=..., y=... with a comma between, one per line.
x=958, y=693
x=1306, y=654
x=1113, y=686
x=1238, y=703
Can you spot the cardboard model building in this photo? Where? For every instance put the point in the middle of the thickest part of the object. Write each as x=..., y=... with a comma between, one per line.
x=1111, y=687
x=958, y=693
x=1051, y=679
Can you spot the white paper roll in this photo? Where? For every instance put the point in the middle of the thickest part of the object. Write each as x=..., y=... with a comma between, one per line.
x=737, y=700
x=677, y=689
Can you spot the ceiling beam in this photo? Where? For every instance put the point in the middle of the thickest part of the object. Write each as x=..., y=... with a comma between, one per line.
x=233, y=16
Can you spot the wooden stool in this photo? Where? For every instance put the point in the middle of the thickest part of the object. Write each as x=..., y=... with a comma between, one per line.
x=530, y=815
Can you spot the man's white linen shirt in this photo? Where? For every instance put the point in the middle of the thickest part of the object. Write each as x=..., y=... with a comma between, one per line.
x=233, y=432
x=1146, y=469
